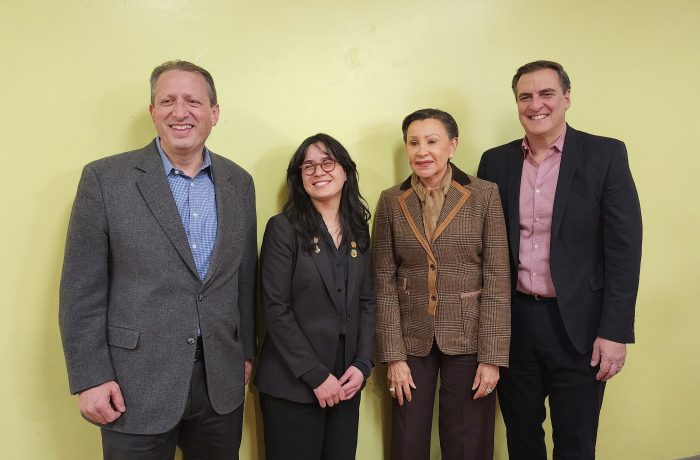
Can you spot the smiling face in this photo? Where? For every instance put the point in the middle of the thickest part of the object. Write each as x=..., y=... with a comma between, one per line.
x=429, y=148
x=542, y=105
x=181, y=112
x=324, y=188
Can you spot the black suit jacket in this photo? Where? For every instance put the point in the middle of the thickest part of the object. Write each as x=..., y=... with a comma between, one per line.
x=301, y=316
x=596, y=241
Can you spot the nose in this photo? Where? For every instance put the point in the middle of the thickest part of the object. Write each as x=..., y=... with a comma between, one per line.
x=179, y=110
x=318, y=170
x=536, y=103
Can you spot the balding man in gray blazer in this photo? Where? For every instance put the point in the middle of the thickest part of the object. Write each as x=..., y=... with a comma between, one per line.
x=158, y=283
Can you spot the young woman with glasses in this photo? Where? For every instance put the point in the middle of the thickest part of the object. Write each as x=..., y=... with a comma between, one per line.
x=318, y=307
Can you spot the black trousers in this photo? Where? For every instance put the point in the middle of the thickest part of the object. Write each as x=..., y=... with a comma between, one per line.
x=202, y=434
x=466, y=426
x=543, y=362
x=298, y=431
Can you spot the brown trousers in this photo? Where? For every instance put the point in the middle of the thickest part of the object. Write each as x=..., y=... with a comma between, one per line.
x=466, y=426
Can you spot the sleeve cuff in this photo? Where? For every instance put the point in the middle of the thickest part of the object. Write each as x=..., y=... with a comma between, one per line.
x=316, y=376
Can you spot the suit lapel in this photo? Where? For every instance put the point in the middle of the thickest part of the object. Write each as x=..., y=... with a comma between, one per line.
x=323, y=264
x=515, y=172
x=156, y=192
x=455, y=199
x=226, y=210
x=410, y=206
x=570, y=159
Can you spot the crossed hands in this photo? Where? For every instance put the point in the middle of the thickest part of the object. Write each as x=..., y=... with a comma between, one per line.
x=332, y=391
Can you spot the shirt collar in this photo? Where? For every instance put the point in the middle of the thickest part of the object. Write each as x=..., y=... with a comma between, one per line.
x=168, y=166
x=556, y=147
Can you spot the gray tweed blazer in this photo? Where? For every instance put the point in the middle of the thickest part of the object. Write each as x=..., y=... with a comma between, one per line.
x=131, y=301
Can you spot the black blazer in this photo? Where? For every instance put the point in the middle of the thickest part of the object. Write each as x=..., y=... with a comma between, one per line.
x=301, y=316
x=596, y=242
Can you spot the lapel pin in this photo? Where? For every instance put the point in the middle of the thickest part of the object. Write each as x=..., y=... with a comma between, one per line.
x=353, y=251
x=316, y=248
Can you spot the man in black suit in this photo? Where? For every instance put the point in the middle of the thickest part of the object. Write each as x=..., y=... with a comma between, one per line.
x=575, y=236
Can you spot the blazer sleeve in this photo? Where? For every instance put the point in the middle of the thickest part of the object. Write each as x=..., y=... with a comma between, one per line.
x=494, y=313
x=277, y=257
x=622, y=248
x=247, y=275
x=84, y=288
x=390, y=342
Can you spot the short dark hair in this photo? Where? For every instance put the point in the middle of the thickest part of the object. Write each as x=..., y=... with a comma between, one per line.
x=425, y=114
x=534, y=66
x=186, y=67
x=354, y=212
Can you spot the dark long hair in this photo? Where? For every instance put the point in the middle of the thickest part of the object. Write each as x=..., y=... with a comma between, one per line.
x=354, y=213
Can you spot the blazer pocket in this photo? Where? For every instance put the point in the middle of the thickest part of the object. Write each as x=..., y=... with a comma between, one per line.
x=471, y=302
x=122, y=337
x=404, y=303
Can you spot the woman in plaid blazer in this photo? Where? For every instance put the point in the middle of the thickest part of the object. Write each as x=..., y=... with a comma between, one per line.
x=443, y=296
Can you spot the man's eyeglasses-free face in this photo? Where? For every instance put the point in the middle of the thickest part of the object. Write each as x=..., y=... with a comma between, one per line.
x=309, y=169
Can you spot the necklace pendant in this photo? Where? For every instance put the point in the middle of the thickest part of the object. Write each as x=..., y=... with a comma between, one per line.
x=316, y=248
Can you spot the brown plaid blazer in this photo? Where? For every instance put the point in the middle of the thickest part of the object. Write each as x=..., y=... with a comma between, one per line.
x=455, y=288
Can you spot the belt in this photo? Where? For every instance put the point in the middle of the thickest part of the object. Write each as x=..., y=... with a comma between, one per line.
x=199, y=350
x=536, y=297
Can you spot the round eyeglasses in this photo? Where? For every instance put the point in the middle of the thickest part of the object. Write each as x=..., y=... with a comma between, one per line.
x=309, y=169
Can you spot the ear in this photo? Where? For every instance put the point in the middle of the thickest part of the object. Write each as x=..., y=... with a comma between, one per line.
x=567, y=97
x=151, y=109
x=214, y=114
x=455, y=142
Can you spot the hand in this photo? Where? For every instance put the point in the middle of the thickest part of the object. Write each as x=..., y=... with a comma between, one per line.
x=330, y=392
x=610, y=355
x=102, y=404
x=247, y=369
x=400, y=380
x=485, y=380
x=351, y=381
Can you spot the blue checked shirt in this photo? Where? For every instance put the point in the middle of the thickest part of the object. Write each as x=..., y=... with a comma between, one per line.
x=196, y=201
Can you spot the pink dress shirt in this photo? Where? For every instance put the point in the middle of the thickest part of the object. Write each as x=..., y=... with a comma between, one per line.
x=538, y=185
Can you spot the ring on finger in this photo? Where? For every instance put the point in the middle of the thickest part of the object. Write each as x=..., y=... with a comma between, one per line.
x=392, y=389
x=489, y=390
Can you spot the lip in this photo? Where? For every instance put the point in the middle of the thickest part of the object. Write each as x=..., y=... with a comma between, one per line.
x=543, y=115
x=183, y=128
x=321, y=183
x=423, y=163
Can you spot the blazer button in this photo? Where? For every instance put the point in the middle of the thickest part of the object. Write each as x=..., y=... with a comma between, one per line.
x=200, y=297
x=191, y=340
x=433, y=298
x=432, y=267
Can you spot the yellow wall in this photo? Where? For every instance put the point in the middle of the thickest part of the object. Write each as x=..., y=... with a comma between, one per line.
x=74, y=78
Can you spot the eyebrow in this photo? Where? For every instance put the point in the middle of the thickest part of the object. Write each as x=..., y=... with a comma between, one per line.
x=545, y=90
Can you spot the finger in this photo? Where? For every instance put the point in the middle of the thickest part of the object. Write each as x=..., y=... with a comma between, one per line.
x=595, y=355
x=107, y=413
x=410, y=382
x=476, y=382
x=118, y=400
x=399, y=395
x=604, y=369
x=406, y=391
x=93, y=416
x=614, y=370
